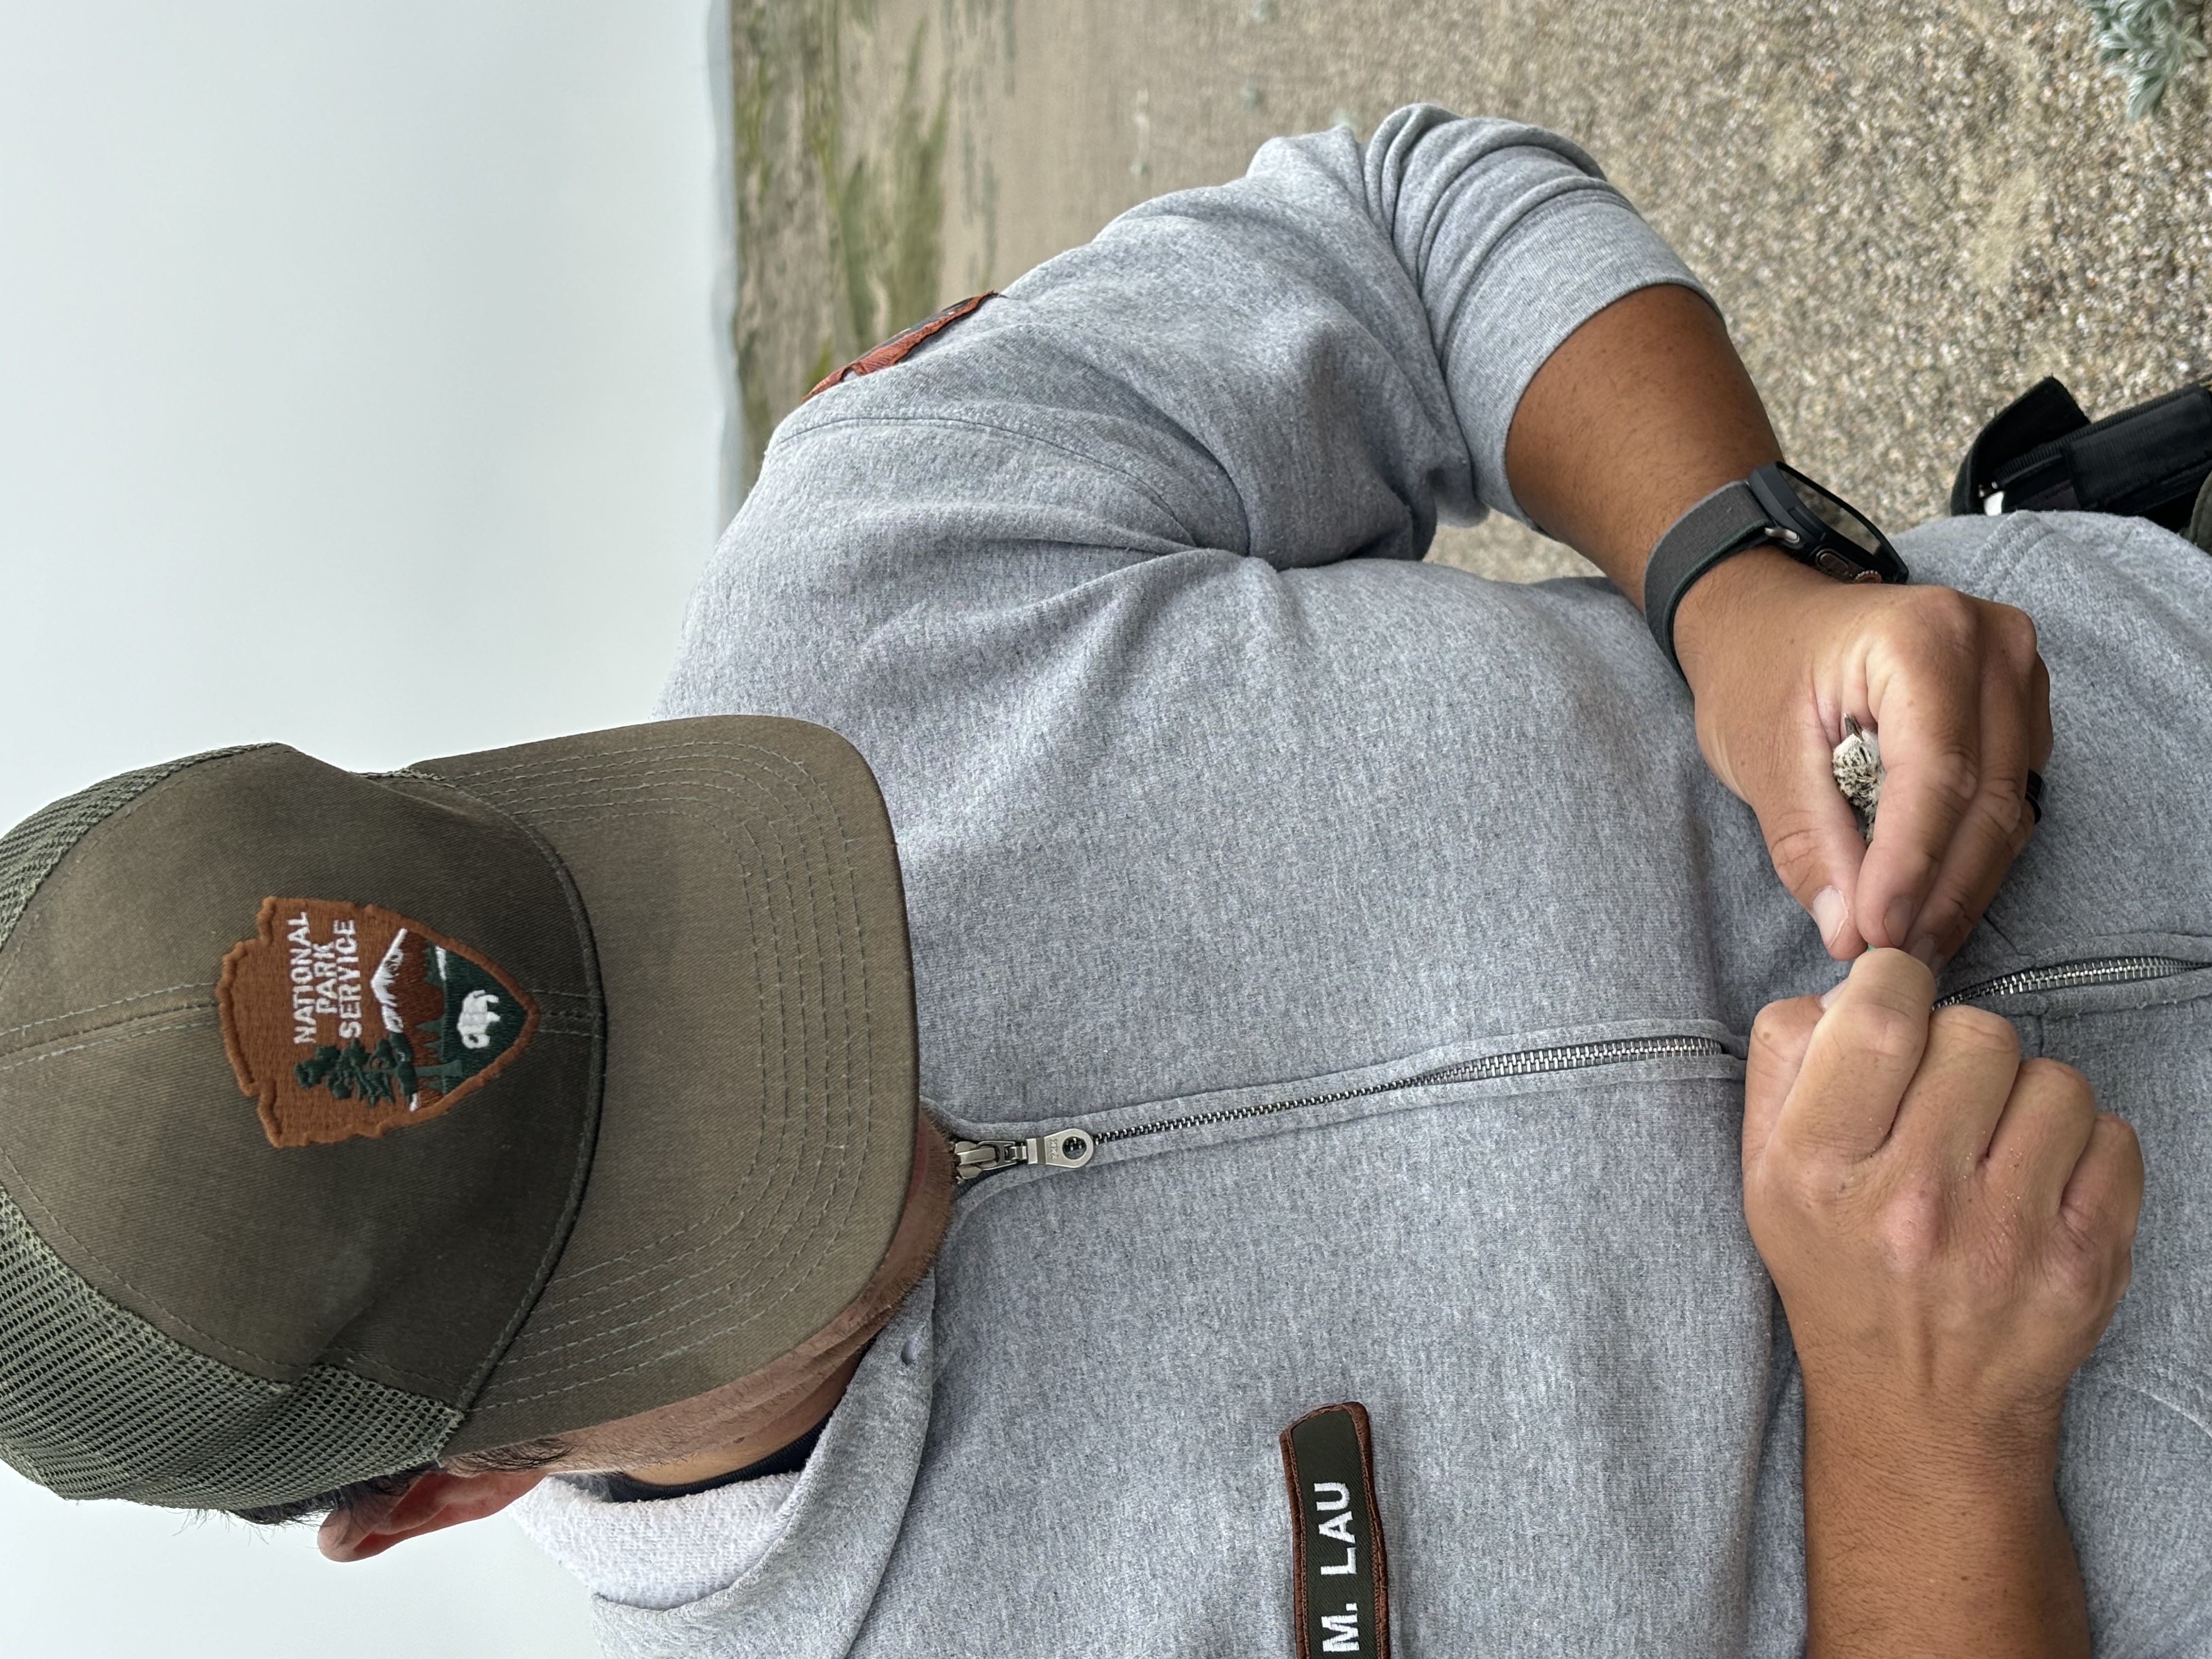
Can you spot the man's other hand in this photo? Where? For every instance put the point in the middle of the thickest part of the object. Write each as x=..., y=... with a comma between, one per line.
x=1642, y=412
x=1777, y=654
x=1947, y=1225
x=1950, y=1230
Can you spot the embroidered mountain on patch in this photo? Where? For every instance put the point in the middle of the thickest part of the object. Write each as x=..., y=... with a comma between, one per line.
x=349, y=1019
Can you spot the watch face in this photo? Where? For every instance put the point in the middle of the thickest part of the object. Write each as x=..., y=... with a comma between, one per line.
x=1833, y=513
x=1821, y=531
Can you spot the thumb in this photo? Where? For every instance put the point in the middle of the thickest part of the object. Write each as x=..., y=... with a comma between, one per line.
x=1779, y=1039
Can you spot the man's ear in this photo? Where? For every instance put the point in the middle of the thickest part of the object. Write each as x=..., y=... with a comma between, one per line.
x=431, y=1502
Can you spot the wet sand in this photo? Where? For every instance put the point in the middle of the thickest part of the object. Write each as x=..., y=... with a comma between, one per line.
x=1909, y=211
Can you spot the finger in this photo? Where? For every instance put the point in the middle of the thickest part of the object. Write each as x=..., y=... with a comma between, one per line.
x=1860, y=1060
x=1924, y=695
x=1779, y=1037
x=2104, y=1196
x=1956, y=1099
x=2040, y=1140
x=1813, y=839
x=1997, y=823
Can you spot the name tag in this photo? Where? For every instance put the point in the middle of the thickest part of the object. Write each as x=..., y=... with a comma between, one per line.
x=1338, y=1579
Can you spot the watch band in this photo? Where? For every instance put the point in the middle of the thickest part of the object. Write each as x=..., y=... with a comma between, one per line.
x=1727, y=521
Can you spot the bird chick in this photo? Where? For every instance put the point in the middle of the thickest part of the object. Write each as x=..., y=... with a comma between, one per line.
x=1856, y=763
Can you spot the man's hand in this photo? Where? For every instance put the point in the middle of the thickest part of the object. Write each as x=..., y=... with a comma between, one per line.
x=1642, y=412
x=1949, y=1231
x=1776, y=654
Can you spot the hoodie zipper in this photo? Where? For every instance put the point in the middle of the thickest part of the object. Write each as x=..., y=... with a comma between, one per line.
x=1071, y=1149
x=2067, y=976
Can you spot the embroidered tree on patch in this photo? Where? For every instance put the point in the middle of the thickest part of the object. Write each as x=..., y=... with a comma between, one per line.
x=386, y=1073
x=441, y=1074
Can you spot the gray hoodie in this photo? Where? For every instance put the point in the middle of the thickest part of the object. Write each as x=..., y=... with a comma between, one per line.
x=1385, y=939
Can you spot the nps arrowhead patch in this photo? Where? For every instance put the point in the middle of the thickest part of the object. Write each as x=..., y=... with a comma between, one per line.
x=349, y=1019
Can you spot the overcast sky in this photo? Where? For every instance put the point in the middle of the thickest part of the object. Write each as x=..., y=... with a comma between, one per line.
x=361, y=387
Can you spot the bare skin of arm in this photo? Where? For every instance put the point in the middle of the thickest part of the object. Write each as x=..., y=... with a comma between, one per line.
x=1936, y=1538
x=1640, y=413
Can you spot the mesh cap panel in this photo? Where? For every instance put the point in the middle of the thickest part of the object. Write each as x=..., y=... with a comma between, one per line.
x=29, y=852
x=77, y=1372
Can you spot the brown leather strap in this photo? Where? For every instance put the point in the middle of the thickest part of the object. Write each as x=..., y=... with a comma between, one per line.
x=896, y=348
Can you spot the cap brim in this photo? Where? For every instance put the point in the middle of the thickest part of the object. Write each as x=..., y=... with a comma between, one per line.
x=739, y=885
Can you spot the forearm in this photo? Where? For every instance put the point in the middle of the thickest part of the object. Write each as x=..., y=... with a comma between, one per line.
x=1922, y=1541
x=1639, y=415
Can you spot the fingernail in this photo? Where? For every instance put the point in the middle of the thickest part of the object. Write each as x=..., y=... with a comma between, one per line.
x=1828, y=915
x=1899, y=918
x=1924, y=948
x=1834, y=990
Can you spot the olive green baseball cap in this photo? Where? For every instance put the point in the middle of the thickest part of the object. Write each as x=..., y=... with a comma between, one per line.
x=349, y=1121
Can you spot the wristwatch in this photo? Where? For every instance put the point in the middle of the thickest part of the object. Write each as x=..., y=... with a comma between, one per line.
x=1776, y=504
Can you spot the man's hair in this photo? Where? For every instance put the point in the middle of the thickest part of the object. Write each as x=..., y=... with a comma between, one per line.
x=348, y=1499
x=383, y=1490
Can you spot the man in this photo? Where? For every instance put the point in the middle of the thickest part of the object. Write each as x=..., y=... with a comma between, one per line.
x=1333, y=975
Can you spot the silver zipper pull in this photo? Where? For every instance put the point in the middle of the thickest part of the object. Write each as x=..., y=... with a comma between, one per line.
x=1063, y=1149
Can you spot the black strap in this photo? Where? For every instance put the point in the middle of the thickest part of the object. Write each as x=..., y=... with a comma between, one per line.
x=2036, y=420
x=1727, y=521
x=2149, y=461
